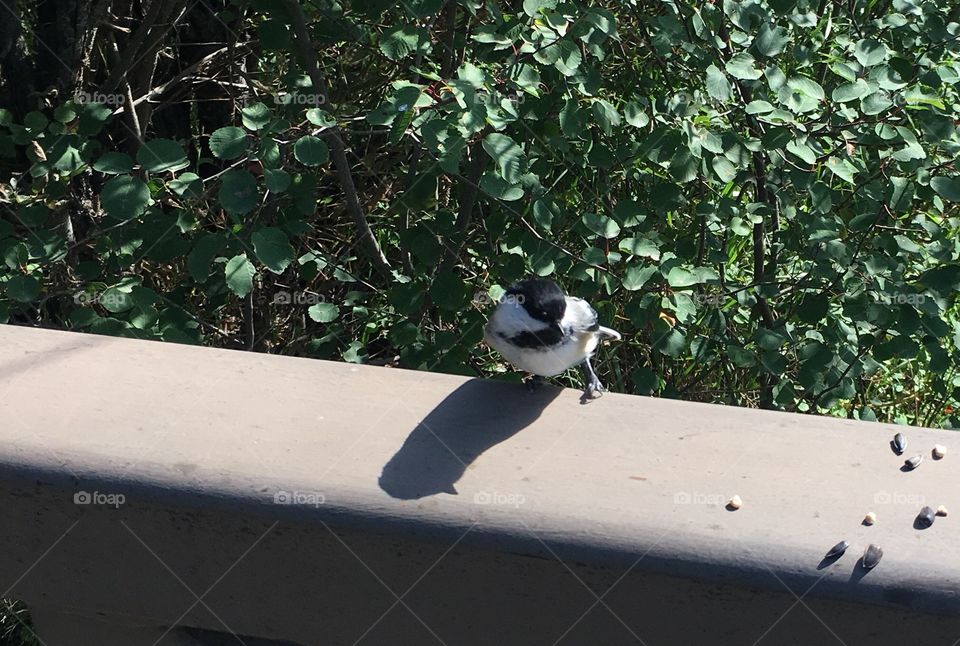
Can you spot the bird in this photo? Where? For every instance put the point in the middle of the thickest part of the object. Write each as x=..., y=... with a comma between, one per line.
x=541, y=330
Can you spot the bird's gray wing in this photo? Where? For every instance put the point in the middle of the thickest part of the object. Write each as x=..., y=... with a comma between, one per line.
x=580, y=316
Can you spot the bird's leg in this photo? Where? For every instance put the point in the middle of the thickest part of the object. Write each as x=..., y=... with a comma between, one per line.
x=592, y=386
x=535, y=382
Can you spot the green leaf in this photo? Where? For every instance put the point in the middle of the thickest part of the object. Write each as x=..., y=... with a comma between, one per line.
x=602, y=225
x=277, y=181
x=125, y=197
x=23, y=289
x=645, y=381
x=640, y=247
x=843, y=169
x=471, y=74
x=636, y=276
x=450, y=292
x=311, y=151
x=850, y=91
x=718, y=86
x=398, y=42
x=273, y=249
x=544, y=211
x=494, y=186
x=740, y=357
x=117, y=298
x=324, y=312
x=803, y=151
x=741, y=66
x=669, y=342
x=507, y=155
x=870, y=52
x=36, y=121
x=256, y=116
x=186, y=185
x=92, y=117
x=770, y=40
x=681, y=277
x=635, y=114
x=201, y=257
x=114, y=163
x=161, y=155
x=239, y=274
x=726, y=171
x=563, y=54
x=228, y=143
x=533, y=7
x=947, y=187
x=807, y=86
x=65, y=157
x=902, y=191
x=319, y=117
x=908, y=245
x=684, y=165
x=629, y=213
x=813, y=308
x=773, y=362
x=759, y=107
x=606, y=115
x=238, y=192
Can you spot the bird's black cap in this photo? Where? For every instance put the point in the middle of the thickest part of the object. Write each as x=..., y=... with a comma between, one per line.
x=542, y=298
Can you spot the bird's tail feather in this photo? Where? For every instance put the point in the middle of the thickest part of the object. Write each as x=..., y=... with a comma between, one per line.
x=608, y=333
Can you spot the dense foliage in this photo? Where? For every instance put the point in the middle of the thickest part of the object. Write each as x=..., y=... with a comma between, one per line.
x=761, y=195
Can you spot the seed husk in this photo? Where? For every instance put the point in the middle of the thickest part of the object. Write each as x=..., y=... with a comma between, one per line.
x=734, y=503
x=870, y=518
x=926, y=516
x=899, y=443
x=872, y=556
x=913, y=462
x=939, y=450
x=941, y=511
x=837, y=550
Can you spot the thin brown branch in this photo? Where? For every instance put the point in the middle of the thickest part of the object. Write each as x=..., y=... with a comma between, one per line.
x=337, y=149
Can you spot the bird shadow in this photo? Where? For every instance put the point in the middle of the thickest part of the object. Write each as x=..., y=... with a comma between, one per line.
x=473, y=418
x=827, y=561
x=859, y=571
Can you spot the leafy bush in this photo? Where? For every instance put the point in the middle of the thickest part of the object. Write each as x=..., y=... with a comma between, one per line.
x=761, y=195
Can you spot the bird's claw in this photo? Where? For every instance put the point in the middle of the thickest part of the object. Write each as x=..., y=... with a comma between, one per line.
x=593, y=390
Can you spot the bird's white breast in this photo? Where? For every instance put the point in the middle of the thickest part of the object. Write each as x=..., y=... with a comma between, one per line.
x=510, y=319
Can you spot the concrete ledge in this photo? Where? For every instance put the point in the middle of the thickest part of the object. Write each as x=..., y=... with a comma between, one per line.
x=290, y=501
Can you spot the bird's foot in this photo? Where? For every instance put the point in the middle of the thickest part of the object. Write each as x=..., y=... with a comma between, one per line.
x=593, y=390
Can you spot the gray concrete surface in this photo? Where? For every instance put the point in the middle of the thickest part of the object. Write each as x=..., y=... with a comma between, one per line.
x=308, y=502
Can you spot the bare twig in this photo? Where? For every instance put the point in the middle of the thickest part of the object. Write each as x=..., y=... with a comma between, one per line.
x=337, y=148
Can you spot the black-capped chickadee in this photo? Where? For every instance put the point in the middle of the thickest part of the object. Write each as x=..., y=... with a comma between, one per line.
x=541, y=330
